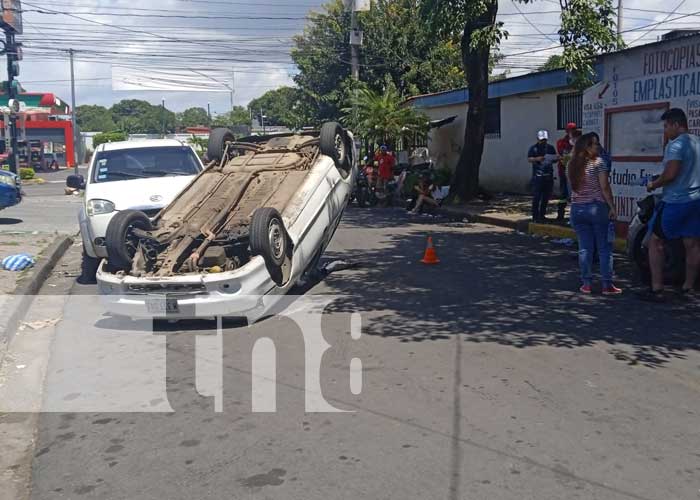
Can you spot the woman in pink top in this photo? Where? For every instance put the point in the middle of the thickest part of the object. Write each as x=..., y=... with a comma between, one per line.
x=592, y=212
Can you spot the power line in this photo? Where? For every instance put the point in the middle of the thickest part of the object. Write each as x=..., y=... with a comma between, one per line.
x=666, y=18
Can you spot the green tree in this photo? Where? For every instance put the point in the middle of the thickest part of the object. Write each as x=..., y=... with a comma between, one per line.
x=94, y=119
x=553, y=62
x=397, y=43
x=587, y=30
x=238, y=116
x=193, y=117
x=285, y=106
x=135, y=116
x=106, y=137
x=381, y=117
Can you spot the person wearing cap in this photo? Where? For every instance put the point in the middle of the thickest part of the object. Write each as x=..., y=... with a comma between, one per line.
x=564, y=147
x=385, y=161
x=542, y=157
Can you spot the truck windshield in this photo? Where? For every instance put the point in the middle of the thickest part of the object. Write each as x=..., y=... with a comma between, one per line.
x=144, y=163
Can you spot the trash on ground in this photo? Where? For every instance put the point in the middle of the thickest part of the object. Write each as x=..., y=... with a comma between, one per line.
x=339, y=265
x=18, y=262
x=38, y=325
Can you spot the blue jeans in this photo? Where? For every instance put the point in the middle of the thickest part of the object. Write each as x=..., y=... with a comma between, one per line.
x=590, y=221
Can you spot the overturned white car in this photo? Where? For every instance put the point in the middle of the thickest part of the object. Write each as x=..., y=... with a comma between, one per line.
x=258, y=217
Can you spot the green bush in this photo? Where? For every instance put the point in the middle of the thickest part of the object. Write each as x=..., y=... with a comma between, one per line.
x=26, y=173
x=105, y=137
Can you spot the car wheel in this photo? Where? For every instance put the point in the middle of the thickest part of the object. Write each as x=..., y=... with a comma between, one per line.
x=334, y=143
x=268, y=237
x=217, y=143
x=88, y=270
x=120, y=239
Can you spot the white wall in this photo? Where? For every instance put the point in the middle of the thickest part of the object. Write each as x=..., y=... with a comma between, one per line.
x=504, y=166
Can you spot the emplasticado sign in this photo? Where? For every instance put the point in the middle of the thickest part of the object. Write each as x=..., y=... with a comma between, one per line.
x=12, y=16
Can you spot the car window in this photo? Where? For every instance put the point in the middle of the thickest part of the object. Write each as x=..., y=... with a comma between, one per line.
x=145, y=163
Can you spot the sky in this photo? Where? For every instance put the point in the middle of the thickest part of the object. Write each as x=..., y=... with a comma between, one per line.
x=243, y=44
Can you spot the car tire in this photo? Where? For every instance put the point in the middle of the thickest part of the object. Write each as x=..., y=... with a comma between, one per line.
x=216, y=147
x=119, y=242
x=88, y=269
x=334, y=142
x=268, y=238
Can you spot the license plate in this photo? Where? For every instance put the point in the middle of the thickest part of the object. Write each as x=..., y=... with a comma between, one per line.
x=162, y=306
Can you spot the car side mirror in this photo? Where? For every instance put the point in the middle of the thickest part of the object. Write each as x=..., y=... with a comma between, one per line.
x=75, y=181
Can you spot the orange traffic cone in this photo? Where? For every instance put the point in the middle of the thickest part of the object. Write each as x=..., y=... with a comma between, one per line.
x=430, y=256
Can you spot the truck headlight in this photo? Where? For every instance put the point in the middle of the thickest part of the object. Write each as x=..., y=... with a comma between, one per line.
x=99, y=207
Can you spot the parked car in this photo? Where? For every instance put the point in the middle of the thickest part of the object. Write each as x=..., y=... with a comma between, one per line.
x=10, y=189
x=674, y=263
x=141, y=175
x=258, y=217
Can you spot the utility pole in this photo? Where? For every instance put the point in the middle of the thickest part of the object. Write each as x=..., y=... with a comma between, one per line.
x=73, y=111
x=162, y=112
x=262, y=120
x=12, y=72
x=355, y=43
x=233, y=88
x=209, y=113
x=619, y=17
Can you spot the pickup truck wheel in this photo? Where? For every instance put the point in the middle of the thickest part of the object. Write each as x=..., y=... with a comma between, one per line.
x=268, y=237
x=120, y=241
x=217, y=143
x=334, y=143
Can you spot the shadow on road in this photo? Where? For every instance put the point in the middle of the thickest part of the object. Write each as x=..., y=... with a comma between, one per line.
x=9, y=221
x=505, y=288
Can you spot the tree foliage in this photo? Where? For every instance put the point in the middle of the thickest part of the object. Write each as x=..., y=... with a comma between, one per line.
x=397, y=43
x=193, y=117
x=106, y=137
x=94, y=119
x=238, y=116
x=380, y=116
x=553, y=62
x=286, y=107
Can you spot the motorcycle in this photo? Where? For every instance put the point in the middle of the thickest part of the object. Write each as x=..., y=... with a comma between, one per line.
x=362, y=193
x=638, y=239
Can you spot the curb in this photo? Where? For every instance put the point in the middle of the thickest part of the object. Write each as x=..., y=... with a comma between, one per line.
x=554, y=231
x=525, y=226
x=28, y=288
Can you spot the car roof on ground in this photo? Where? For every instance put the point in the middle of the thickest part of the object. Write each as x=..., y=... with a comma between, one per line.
x=143, y=143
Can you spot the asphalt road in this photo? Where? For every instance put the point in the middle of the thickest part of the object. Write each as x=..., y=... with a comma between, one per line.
x=484, y=377
x=45, y=207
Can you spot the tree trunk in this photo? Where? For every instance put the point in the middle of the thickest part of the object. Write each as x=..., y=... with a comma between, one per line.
x=476, y=67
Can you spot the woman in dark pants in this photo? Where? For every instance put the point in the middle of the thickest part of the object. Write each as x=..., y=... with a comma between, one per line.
x=592, y=211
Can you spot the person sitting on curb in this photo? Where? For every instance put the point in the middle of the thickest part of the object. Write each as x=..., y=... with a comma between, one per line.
x=678, y=214
x=542, y=156
x=425, y=195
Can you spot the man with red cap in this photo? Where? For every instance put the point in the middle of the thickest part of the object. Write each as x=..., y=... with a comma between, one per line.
x=565, y=146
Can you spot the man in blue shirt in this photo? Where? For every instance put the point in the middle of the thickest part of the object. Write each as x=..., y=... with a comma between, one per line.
x=679, y=213
x=542, y=156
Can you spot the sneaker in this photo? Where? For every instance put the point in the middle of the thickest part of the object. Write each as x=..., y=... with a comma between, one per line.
x=586, y=289
x=612, y=290
x=655, y=296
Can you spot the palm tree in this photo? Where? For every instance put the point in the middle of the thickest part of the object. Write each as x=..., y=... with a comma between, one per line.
x=381, y=118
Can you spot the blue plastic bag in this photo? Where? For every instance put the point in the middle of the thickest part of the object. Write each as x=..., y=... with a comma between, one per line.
x=18, y=262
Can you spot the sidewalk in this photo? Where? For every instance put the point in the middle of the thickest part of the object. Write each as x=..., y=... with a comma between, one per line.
x=513, y=211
